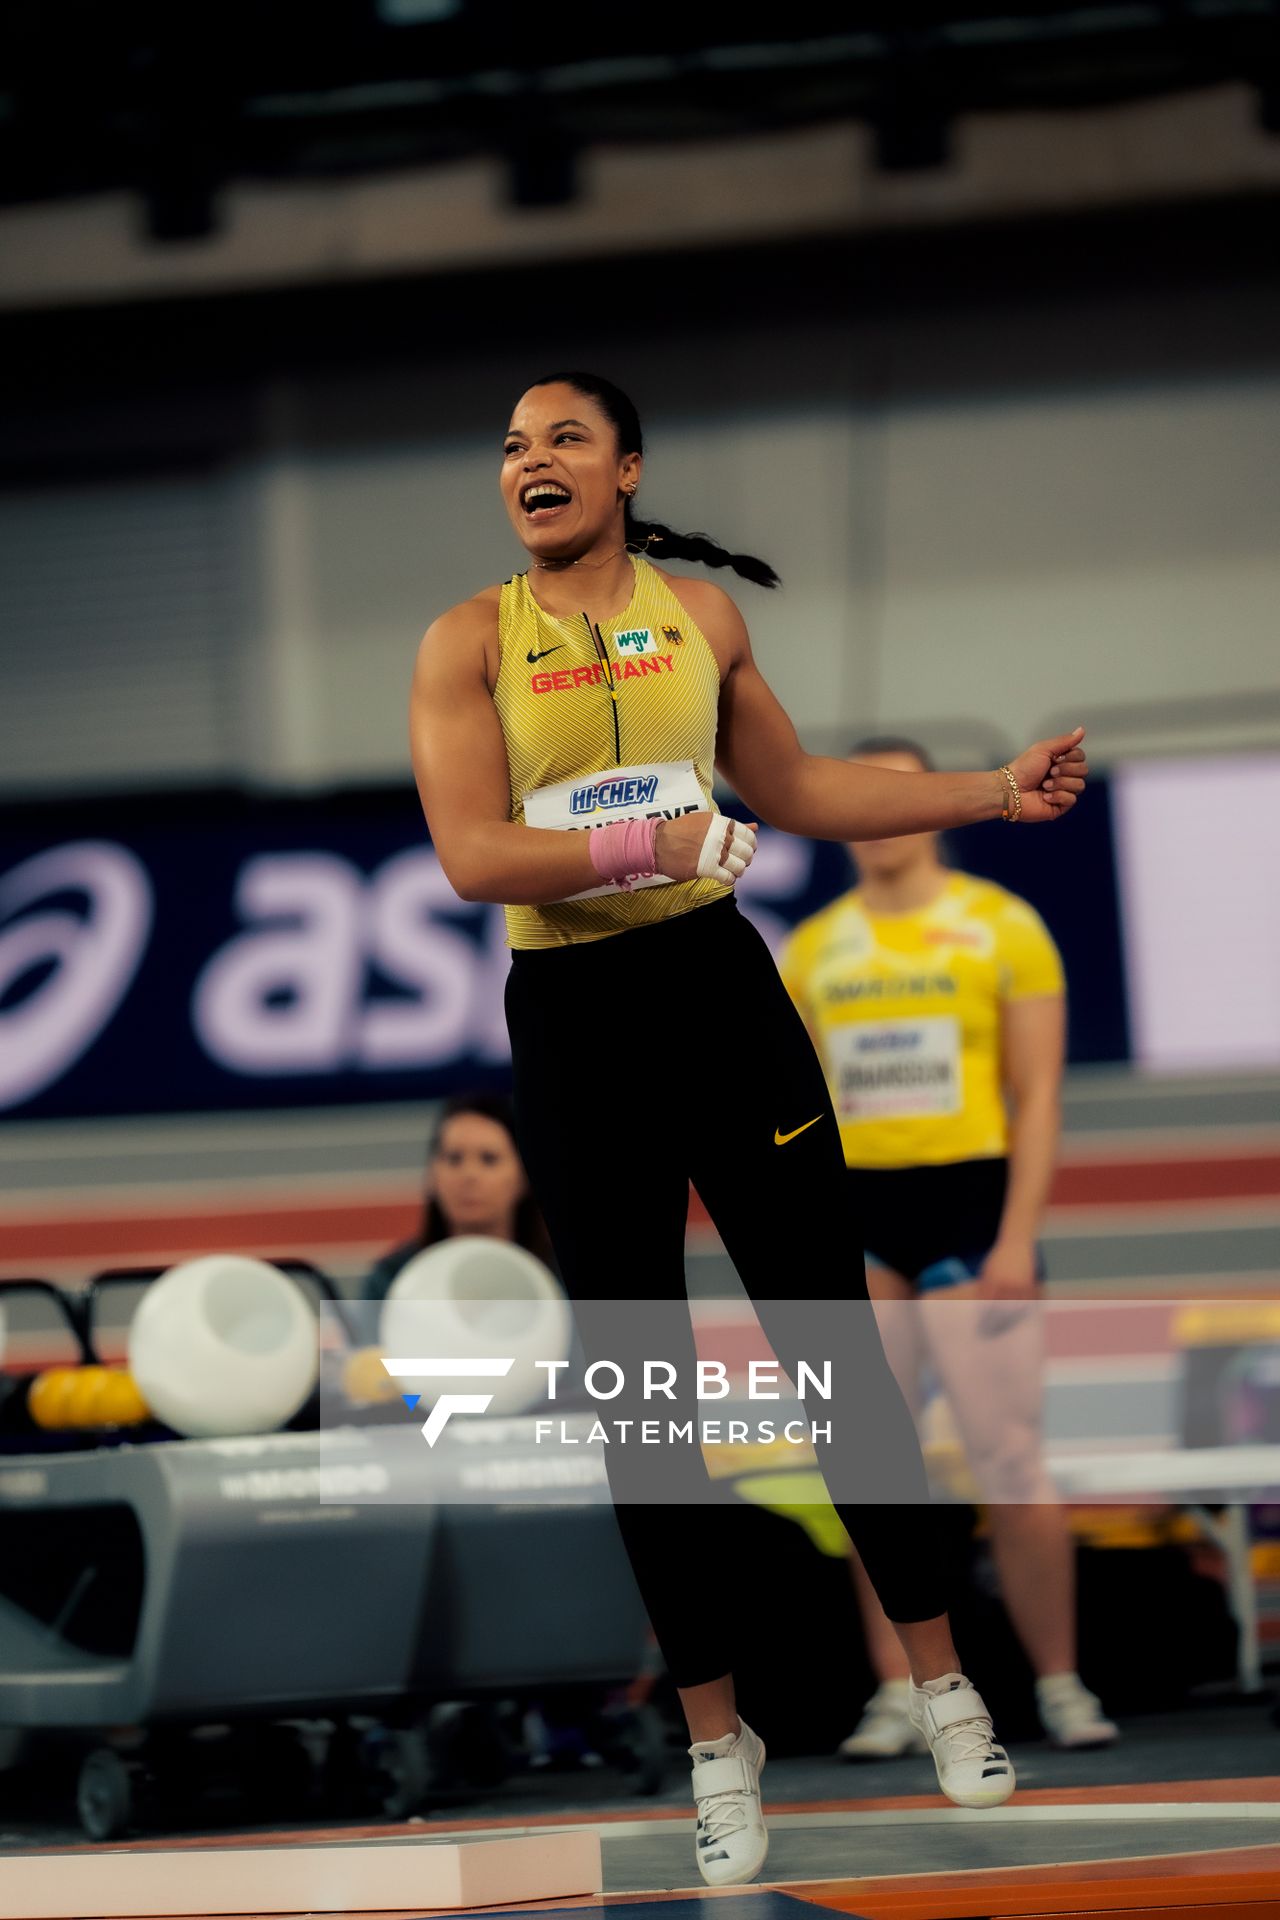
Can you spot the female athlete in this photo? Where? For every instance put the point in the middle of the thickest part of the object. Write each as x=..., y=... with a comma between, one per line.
x=652, y=1039
x=937, y=1004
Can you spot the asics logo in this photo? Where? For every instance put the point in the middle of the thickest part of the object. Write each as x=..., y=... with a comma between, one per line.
x=75, y=921
x=781, y=1139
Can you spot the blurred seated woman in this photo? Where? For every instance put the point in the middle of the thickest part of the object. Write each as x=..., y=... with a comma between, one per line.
x=476, y=1184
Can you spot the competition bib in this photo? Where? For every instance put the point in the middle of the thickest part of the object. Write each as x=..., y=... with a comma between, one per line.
x=662, y=790
x=895, y=1069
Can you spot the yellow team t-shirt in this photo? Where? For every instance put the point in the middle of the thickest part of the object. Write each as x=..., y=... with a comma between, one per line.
x=905, y=1011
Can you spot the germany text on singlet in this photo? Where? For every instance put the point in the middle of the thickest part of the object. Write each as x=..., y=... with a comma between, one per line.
x=600, y=729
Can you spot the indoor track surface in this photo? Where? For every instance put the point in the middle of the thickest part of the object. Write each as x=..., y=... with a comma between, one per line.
x=1184, y=1815
x=1126, y=1831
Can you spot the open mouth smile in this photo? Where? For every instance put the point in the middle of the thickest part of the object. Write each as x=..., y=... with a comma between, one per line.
x=544, y=499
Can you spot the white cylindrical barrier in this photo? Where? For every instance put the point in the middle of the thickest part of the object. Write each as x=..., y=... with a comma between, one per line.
x=472, y=1298
x=224, y=1345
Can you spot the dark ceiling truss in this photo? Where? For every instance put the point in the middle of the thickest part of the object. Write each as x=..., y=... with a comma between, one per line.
x=174, y=103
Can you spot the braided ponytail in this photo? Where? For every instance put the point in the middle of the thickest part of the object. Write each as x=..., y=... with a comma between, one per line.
x=660, y=543
x=650, y=536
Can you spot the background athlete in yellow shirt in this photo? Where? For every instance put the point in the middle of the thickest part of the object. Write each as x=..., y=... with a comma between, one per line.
x=936, y=1001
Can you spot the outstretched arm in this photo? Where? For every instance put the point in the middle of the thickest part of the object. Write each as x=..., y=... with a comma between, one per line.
x=760, y=755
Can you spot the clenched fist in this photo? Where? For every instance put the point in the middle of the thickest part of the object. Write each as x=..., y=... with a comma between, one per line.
x=691, y=849
x=1050, y=775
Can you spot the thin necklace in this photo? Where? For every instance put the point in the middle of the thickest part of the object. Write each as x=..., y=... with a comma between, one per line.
x=562, y=566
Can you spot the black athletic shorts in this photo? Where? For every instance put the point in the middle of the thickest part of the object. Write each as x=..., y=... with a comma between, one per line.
x=933, y=1225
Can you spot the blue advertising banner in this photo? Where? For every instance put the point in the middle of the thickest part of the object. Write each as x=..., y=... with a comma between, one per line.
x=193, y=952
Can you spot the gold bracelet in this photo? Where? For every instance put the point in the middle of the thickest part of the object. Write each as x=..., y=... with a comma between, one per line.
x=1016, y=799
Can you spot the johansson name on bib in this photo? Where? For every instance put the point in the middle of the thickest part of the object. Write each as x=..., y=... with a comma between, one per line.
x=896, y=1069
x=662, y=790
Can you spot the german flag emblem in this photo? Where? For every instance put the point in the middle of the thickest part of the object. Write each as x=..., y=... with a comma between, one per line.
x=673, y=636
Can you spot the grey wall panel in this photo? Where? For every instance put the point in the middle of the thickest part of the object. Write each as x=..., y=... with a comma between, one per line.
x=120, y=605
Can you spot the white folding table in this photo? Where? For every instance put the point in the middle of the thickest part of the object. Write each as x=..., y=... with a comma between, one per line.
x=1201, y=1479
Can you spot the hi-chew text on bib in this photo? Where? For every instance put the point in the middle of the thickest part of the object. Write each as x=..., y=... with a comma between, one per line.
x=895, y=1069
x=662, y=790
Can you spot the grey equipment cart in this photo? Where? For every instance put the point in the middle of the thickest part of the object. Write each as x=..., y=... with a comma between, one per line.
x=167, y=1588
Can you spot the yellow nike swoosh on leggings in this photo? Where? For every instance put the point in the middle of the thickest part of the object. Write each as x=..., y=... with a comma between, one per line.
x=781, y=1139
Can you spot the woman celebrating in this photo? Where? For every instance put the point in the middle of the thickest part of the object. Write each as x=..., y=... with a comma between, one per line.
x=646, y=1013
x=930, y=996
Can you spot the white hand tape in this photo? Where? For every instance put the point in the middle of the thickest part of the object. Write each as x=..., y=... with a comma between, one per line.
x=736, y=860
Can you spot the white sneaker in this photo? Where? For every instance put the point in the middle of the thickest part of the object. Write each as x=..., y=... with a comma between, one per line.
x=1071, y=1715
x=731, y=1841
x=973, y=1769
x=885, y=1729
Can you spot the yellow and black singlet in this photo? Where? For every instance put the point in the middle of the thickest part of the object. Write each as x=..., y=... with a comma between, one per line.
x=605, y=720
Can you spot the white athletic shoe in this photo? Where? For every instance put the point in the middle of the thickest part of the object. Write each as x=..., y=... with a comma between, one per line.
x=973, y=1769
x=1071, y=1715
x=731, y=1841
x=885, y=1729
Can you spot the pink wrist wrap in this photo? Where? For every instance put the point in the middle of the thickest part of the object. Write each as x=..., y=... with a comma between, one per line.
x=625, y=851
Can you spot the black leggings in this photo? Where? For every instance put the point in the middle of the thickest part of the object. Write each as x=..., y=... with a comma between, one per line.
x=672, y=1053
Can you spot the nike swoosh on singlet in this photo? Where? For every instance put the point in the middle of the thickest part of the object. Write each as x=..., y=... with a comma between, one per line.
x=781, y=1139
x=533, y=657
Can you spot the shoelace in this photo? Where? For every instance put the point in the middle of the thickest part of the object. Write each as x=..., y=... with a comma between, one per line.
x=723, y=1813
x=979, y=1738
